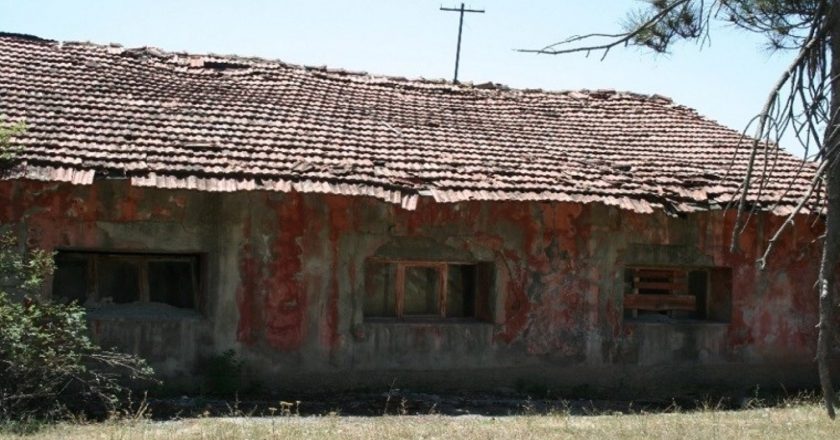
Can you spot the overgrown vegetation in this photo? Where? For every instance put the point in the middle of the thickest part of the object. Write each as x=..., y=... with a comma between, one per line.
x=49, y=367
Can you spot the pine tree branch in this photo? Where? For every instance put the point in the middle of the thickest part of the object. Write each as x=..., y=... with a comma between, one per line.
x=624, y=38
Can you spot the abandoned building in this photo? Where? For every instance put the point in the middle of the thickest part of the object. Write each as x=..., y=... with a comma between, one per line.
x=346, y=230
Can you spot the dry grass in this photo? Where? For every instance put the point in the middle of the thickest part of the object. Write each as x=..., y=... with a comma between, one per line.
x=802, y=421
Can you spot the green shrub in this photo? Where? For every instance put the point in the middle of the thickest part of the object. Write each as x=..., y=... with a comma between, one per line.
x=9, y=152
x=49, y=367
x=222, y=374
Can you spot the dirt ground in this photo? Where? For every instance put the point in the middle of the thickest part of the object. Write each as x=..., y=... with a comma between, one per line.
x=408, y=402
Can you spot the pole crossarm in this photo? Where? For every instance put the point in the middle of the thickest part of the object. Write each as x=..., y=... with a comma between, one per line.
x=461, y=10
x=480, y=11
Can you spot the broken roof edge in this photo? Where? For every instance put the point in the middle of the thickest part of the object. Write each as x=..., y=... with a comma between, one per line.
x=405, y=198
x=23, y=36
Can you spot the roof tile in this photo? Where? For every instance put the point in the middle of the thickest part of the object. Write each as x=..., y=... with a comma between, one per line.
x=226, y=123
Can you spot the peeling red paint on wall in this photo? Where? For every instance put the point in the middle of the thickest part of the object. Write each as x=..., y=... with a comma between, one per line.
x=339, y=225
x=429, y=214
x=55, y=215
x=556, y=289
x=127, y=209
x=285, y=298
x=271, y=299
x=517, y=304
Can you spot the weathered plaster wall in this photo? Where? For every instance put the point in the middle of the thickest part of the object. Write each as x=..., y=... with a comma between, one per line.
x=284, y=284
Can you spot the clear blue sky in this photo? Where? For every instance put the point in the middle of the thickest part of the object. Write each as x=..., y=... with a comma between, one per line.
x=726, y=81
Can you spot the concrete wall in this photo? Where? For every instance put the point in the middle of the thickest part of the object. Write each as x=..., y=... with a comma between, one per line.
x=284, y=286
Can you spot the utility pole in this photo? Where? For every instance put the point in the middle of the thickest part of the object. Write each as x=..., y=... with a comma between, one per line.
x=460, y=28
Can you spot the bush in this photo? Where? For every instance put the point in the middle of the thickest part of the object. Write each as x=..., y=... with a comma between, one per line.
x=222, y=374
x=8, y=152
x=49, y=367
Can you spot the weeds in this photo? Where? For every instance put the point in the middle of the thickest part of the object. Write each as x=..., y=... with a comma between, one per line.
x=288, y=409
x=391, y=391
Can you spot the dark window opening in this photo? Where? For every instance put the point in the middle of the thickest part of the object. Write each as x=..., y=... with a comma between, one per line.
x=678, y=293
x=172, y=282
x=126, y=278
x=118, y=278
x=71, y=274
x=462, y=285
x=431, y=290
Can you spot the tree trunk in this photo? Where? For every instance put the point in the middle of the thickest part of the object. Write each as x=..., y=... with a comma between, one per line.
x=831, y=246
x=828, y=269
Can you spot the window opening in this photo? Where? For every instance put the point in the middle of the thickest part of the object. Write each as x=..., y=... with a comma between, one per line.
x=432, y=290
x=681, y=293
x=123, y=278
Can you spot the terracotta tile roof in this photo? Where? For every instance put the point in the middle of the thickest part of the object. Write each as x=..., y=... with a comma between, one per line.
x=224, y=123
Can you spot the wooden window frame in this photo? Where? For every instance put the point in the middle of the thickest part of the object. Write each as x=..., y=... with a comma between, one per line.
x=141, y=260
x=442, y=269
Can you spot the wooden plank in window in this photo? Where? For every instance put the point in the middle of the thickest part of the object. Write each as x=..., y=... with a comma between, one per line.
x=660, y=273
x=660, y=302
x=443, y=281
x=670, y=286
x=400, y=289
